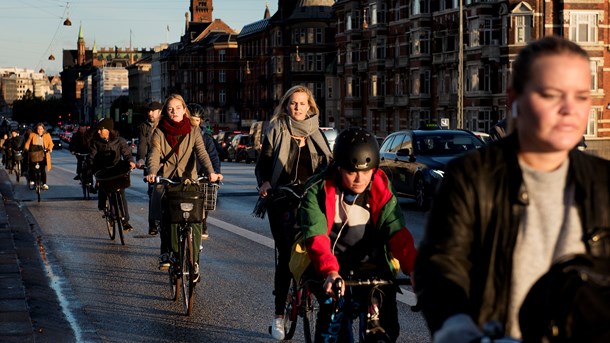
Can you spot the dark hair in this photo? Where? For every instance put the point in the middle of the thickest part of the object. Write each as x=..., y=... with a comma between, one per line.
x=546, y=46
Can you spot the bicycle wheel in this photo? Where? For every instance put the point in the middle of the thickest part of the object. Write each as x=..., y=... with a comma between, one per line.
x=109, y=219
x=290, y=311
x=119, y=214
x=174, y=278
x=188, y=270
x=38, y=189
x=17, y=171
x=310, y=314
x=85, y=185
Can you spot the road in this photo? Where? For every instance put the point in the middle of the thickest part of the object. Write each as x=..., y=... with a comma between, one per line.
x=115, y=293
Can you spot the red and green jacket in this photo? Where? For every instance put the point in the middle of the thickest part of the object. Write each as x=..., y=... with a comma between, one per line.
x=317, y=212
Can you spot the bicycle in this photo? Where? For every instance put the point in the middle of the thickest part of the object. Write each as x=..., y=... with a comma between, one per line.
x=114, y=210
x=85, y=178
x=38, y=179
x=16, y=163
x=369, y=329
x=301, y=302
x=185, y=208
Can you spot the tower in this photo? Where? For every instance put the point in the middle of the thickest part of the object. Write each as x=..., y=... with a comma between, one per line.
x=201, y=11
x=80, y=50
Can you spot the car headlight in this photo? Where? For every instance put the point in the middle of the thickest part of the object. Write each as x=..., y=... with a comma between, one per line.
x=186, y=206
x=437, y=174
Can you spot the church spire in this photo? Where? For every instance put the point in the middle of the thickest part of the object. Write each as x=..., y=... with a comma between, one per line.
x=80, y=49
x=201, y=11
x=267, y=13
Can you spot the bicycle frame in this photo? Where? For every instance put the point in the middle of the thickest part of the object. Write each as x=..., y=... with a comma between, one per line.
x=38, y=179
x=86, y=180
x=114, y=213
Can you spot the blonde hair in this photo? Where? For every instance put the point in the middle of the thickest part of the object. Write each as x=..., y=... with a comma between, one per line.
x=280, y=110
x=179, y=98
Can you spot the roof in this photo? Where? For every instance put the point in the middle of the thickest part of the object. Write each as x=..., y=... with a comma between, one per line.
x=254, y=27
x=313, y=9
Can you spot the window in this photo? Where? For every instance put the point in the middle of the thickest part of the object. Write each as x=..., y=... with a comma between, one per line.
x=374, y=85
x=583, y=27
x=523, y=24
x=594, y=80
x=222, y=76
x=221, y=55
x=222, y=97
x=425, y=82
x=348, y=87
x=591, y=127
x=348, y=22
x=374, y=14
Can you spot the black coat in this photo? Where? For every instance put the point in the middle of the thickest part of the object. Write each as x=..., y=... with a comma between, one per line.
x=107, y=153
x=464, y=263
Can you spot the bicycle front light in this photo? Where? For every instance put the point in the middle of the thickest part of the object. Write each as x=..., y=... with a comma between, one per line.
x=37, y=166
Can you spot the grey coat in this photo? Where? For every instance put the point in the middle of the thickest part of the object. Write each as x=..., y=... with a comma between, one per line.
x=183, y=164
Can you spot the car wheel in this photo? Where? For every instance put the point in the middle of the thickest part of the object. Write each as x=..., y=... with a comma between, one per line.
x=421, y=198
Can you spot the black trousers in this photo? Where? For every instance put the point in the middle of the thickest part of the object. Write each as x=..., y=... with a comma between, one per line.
x=281, y=222
x=43, y=171
x=101, y=201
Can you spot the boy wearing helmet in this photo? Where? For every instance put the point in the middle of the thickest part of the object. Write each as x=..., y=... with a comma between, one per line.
x=353, y=225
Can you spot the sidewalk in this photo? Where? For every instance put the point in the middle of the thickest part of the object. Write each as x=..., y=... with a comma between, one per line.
x=15, y=321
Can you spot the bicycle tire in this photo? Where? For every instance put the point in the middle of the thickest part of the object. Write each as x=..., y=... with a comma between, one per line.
x=188, y=269
x=17, y=171
x=119, y=215
x=310, y=313
x=38, y=189
x=85, y=186
x=109, y=220
x=174, y=278
x=290, y=311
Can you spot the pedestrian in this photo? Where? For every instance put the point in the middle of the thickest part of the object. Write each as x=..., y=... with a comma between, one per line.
x=293, y=150
x=39, y=146
x=109, y=150
x=362, y=234
x=145, y=131
x=504, y=213
x=175, y=132
x=197, y=114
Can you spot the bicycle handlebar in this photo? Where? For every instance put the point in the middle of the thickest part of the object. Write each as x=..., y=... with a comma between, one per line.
x=81, y=154
x=377, y=282
x=164, y=180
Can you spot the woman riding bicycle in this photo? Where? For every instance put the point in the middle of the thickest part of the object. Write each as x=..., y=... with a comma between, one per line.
x=353, y=227
x=175, y=133
x=109, y=149
x=39, y=145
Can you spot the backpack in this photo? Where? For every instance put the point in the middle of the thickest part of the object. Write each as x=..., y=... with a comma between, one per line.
x=570, y=303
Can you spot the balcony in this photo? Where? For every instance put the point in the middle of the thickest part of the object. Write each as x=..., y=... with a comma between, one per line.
x=363, y=66
x=491, y=52
x=389, y=101
x=402, y=100
x=445, y=57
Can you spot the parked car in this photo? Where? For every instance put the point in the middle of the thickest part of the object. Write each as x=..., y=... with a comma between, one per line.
x=414, y=160
x=57, y=144
x=331, y=135
x=485, y=137
x=237, y=149
x=224, y=139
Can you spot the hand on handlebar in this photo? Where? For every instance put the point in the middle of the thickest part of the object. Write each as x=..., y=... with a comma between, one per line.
x=150, y=178
x=215, y=177
x=264, y=189
x=329, y=284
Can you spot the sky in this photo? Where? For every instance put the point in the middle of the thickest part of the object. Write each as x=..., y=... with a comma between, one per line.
x=31, y=30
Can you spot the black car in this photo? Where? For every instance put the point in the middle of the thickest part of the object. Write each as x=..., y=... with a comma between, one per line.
x=57, y=144
x=415, y=160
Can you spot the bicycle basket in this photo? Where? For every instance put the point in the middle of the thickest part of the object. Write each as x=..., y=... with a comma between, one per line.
x=110, y=181
x=17, y=156
x=183, y=206
x=210, y=194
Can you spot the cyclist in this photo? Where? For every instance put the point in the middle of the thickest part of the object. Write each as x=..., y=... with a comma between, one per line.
x=175, y=132
x=109, y=149
x=504, y=213
x=79, y=143
x=39, y=146
x=197, y=113
x=145, y=131
x=353, y=226
x=13, y=143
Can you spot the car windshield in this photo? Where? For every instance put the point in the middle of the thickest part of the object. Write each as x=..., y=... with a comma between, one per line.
x=445, y=144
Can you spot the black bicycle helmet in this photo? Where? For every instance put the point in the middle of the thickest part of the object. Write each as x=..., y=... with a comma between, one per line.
x=196, y=110
x=356, y=149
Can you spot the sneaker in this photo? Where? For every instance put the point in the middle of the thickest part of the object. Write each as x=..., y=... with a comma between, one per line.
x=204, y=234
x=153, y=231
x=45, y=187
x=164, y=262
x=196, y=273
x=277, y=329
x=127, y=227
x=31, y=184
x=77, y=177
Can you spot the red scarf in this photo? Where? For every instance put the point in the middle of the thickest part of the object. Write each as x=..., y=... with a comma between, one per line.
x=172, y=130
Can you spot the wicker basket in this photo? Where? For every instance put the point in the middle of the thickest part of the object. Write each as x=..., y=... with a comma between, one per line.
x=17, y=155
x=111, y=183
x=210, y=194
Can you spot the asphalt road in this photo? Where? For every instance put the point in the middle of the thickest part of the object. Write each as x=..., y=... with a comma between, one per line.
x=114, y=293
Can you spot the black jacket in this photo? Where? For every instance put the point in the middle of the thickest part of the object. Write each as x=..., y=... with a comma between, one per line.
x=464, y=263
x=145, y=131
x=107, y=153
